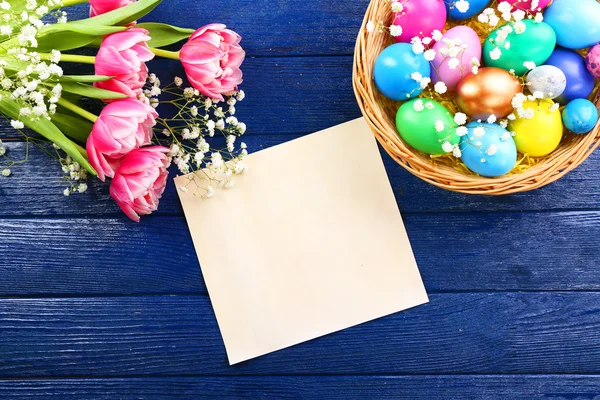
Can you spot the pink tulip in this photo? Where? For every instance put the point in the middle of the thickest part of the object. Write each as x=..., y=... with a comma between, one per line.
x=212, y=59
x=121, y=127
x=140, y=181
x=98, y=7
x=123, y=55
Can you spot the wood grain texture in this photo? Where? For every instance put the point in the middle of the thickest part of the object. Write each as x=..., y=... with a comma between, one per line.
x=455, y=252
x=36, y=189
x=479, y=333
x=269, y=28
x=469, y=387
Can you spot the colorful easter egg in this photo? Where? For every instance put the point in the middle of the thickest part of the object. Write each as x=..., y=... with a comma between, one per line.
x=475, y=8
x=540, y=135
x=488, y=149
x=394, y=71
x=580, y=116
x=452, y=62
x=426, y=125
x=420, y=18
x=575, y=22
x=534, y=44
x=547, y=79
x=592, y=61
x=488, y=92
x=580, y=83
x=526, y=5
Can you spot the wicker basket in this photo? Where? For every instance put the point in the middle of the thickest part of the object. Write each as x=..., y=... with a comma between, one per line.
x=380, y=112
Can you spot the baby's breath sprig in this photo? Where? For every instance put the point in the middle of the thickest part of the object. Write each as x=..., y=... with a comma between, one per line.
x=198, y=120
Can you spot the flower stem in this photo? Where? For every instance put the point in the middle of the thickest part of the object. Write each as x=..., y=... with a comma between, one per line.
x=74, y=58
x=173, y=55
x=77, y=110
x=68, y=3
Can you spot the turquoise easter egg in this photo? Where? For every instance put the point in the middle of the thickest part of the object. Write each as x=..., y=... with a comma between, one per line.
x=575, y=22
x=580, y=116
x=535, y=44
x=394, y=70
x=488, y=149
x=426, y=125
x=475, y=8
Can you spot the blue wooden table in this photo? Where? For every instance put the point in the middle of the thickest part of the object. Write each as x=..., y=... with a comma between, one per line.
x=93, y=306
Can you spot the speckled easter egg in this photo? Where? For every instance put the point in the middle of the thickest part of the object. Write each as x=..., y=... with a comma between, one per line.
x=547, y=79
x=475, y=8
x=580, y=82
x=488, y=149
x=540, y=135
x=441, y=67
x=420, y=18
x=535, y=44
x=394, y=68
x=526, y=5
x=417, y=121
x=580, y=116
x=592, y=61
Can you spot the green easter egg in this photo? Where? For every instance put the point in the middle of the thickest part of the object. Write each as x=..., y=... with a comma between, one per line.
x=535, y=44
x=416, y=121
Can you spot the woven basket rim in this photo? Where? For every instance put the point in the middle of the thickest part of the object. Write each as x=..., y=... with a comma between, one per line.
x=573, y=150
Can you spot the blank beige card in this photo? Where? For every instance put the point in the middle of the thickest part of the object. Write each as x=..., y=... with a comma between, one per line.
x=309, y=241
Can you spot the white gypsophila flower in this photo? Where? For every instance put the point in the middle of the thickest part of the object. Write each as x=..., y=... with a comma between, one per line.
x=370, y=27
x=491, y=150
x=453, y=63
x=505, y=136
x=554, y=107
x=479, y=132
x=504, y=7
x=456, y=152
x=460, y=118
x=6, y=172
x=447, y=147
x=425, y=82
x=518, y=100
x=417, y=45
x=520, y=27
x=462, y=131
x=17, y=124
x=492, y=119
x=439, y=125
x=440, y=87
x=418, y=105
x=241, y=95
x=495, y=54
x=529, y=65
x=539, y=17
x=397, y=6
x=416, y=76
x=429, y=105
x=462, y=6
x=178, y=81
x=436, y=35
x=429, y=55
x=395, y=30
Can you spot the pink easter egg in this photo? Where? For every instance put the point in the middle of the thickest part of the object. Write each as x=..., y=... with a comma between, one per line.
x=441, y=66
x=420, y=18
x=592, y=61
x=525, y=5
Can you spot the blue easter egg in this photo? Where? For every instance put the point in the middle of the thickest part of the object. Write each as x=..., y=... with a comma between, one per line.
x=575, y=22
x=580, y=116
x=490, y=152
x=394, y=68
x=580, y=82
x=475, y=8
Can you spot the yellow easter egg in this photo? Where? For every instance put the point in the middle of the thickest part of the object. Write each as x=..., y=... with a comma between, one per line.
x=540, y=135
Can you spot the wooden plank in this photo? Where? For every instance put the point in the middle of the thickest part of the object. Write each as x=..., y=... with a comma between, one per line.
x=465, y=333
x=291, y=96
x=36, y=189
x=269, y=28
x=473, y=387
x=455, y=252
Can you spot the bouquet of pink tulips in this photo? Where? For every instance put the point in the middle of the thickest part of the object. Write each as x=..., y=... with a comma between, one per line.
x=128, y=142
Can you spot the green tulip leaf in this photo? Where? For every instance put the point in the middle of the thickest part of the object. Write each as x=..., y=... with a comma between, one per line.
x=71, y=36
x=74, y=127
x=164, y=35
x=123, y=15
x=91, y=91
x=84, y=78
x=48, y=130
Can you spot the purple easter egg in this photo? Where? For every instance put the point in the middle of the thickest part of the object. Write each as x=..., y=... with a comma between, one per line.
x=440, y=67
x=592, y=61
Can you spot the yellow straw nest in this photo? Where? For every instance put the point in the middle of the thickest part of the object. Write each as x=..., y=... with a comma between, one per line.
x=447, y=171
